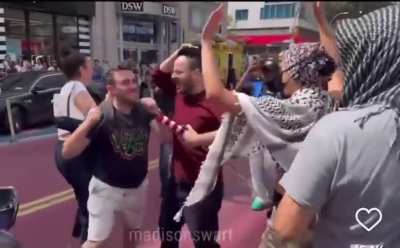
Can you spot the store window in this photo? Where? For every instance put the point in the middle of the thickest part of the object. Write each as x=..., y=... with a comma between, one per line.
x=15, y=32
x=272, y=11
x=198, y=18
x=138, y=31
x=174, y=32
x=67, y=33
x=41, y=36
x=241, y=14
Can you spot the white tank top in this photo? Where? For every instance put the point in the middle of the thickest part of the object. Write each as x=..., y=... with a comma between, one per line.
x=73, y=88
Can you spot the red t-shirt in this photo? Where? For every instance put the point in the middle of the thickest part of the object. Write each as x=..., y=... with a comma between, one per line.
x=197, y=112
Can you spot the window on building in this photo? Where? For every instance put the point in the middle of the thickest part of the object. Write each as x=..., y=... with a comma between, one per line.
x=174, y=32
x=67, y=33
x=276, y=11
x=241, y=14
x=138, y=31
x=41, y=36
x=15, y=31
x=197, y=19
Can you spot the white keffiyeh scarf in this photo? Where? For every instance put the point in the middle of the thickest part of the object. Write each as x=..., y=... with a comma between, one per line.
x=278, y=126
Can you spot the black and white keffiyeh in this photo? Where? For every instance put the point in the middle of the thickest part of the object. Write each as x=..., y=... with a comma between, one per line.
x=267, y=123
x=370, y=53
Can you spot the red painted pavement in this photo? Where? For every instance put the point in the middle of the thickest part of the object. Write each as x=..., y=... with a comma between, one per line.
x=30, y=168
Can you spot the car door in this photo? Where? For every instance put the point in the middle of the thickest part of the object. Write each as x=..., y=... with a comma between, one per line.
x=41, y=94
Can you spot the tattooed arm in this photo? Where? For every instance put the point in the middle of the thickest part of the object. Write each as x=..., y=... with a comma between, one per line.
x=291, y=225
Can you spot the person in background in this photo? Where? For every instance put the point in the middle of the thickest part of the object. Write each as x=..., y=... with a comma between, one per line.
x=98, y=72
x=26, y=64
x=45, y=64
x=18, y=65
x=7, y=63
x=53, y=66
x=268, y=71
x=106, y=66
x=145, y=86
x=39, y=66
x=76, y=171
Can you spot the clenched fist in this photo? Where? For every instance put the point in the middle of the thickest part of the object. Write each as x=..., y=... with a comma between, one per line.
x=151, y=105
x=93, y=117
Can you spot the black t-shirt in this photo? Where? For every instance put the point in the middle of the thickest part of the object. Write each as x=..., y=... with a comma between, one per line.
x=121, y=143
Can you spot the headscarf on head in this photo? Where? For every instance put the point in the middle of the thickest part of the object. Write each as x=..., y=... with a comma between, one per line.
x=370, y=53
x=268, y=125
x=304, y=62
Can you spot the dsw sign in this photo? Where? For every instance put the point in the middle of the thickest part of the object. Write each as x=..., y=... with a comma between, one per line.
x=132, y=6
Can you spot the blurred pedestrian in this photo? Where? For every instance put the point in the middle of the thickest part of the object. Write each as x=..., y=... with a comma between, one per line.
x=74, y=102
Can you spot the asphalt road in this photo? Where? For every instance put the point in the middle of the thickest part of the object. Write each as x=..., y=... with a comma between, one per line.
x=47, y=205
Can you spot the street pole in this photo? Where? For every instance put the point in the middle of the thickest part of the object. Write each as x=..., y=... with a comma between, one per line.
x=10, y=119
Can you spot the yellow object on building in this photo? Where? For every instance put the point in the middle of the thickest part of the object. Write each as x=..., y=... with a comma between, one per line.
x=223, y=49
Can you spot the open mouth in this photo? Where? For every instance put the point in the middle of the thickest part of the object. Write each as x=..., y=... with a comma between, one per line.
x=178, y=86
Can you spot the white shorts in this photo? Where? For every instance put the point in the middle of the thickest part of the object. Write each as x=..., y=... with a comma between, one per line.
x=105, y=201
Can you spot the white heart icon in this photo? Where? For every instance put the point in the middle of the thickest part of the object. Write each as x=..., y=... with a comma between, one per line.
x=368, y=229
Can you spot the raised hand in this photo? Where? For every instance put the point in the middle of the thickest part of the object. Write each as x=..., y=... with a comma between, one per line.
x=212, y=26
x=151, y=105
x=94, y=115
x=320, y=16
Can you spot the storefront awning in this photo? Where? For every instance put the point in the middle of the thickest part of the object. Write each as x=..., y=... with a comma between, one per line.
x=268, y=39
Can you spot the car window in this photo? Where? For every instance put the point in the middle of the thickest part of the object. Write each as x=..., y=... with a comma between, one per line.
x=51, y=81
x=19, y=80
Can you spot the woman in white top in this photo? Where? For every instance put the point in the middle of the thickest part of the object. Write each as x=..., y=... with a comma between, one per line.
x=78, y=69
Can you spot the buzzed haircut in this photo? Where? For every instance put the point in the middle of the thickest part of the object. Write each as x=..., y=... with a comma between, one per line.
x=194, y=54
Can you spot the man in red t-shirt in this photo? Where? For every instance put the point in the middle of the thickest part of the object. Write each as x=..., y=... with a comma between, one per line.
x=180, y=75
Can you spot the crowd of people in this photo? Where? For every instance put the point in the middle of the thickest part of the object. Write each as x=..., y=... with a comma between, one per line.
x=321, y=138
x=25, y=65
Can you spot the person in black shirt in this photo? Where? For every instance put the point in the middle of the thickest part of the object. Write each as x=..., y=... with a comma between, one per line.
x=119, y=131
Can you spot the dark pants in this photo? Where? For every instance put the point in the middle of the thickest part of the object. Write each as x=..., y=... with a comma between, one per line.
x=166, y=150
x=201, y=218
x=77, y=173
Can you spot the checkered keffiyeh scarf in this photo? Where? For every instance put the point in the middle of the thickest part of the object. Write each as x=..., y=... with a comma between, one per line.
x=304, y=62
x=269, y=124
x=370, y=53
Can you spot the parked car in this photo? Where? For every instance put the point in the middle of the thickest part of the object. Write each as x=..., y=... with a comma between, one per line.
x=30, y=95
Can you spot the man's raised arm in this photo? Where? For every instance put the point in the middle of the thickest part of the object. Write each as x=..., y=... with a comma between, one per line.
x=76, y=143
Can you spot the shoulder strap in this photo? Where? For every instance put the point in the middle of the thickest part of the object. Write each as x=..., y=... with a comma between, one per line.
x=69, y=100
x=107, y=109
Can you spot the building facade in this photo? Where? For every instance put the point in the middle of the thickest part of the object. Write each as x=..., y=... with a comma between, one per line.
x=44, y=29
x=269, y=27
x=146, y=32
x=193, y=17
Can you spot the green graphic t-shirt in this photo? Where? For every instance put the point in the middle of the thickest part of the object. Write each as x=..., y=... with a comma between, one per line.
x=121, y=144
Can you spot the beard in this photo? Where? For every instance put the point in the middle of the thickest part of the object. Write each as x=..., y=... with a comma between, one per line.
x=126, y=99
x=184, y=86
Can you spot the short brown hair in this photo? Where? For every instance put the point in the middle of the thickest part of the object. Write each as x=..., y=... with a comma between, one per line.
x=110, y=79
x=194, y=54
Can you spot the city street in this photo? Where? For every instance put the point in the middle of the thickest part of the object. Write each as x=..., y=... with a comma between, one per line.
x=47, y=207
